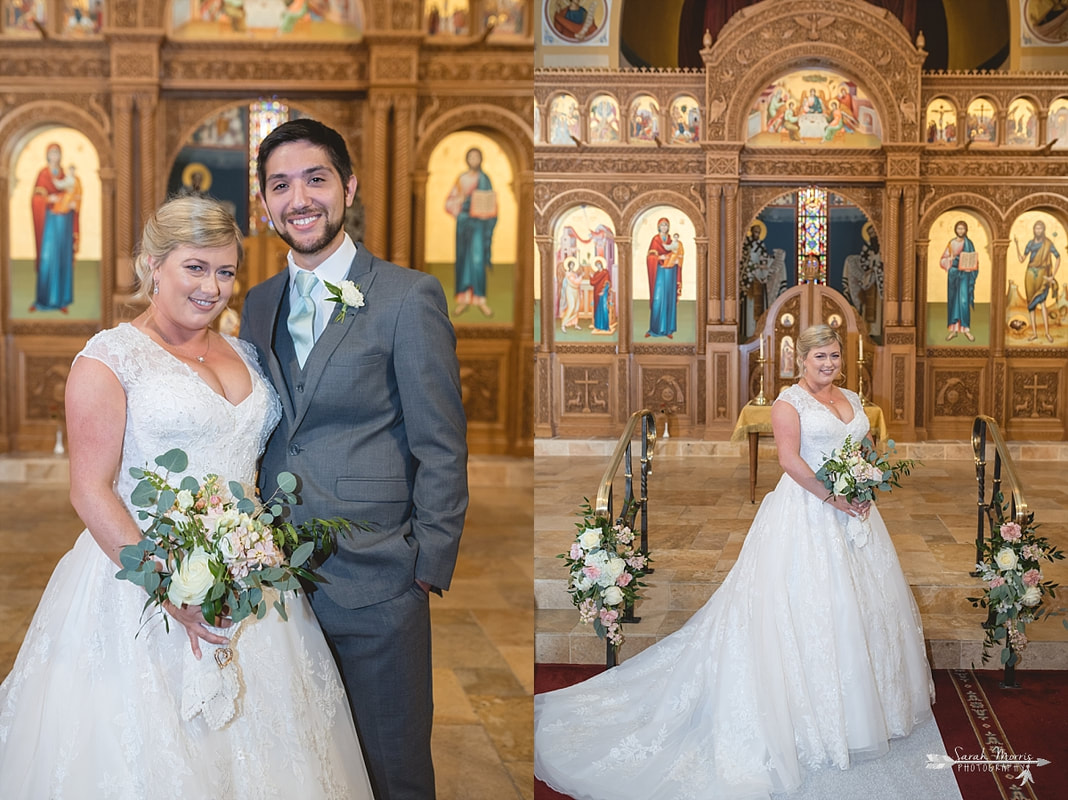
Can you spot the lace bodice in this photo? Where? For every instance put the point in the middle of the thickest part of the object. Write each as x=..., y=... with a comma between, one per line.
x=168, y=405
x=821, y=431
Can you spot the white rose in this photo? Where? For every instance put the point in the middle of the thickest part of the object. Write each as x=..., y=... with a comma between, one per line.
x=1006, y=559
x=184, y=499
x=841, y=484
x=612, y=596
x=351, y=295
x=590, y=538
x=1032, y=596
x=190, y=584
x=612, y=570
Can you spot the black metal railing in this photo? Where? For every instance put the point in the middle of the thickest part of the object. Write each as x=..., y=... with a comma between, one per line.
x=634, y=510
x=989, y=510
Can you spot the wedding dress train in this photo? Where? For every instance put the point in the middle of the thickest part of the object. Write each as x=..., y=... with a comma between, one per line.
x=93, y=706
x=810, y=654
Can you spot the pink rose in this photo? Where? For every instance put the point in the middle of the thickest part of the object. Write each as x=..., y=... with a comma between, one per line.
x=1010, y=531
x=996, y=582
x=576, y=550
x=1032, y=577
x=626, y=578
x=591, y=572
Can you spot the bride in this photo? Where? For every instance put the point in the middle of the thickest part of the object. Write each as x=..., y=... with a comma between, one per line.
x=97, y=705
x=810, y=654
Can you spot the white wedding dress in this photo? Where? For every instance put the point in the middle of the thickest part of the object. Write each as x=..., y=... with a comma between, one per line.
x=810, y=654
x=93, y=706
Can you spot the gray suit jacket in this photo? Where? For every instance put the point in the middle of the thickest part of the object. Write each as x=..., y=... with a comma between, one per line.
x=373, y=427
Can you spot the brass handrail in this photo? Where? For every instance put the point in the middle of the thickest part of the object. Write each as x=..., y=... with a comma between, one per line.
x=1017, y=505
x=631, y=506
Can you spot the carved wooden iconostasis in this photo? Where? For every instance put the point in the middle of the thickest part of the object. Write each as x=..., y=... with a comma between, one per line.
x=675, y=209
x=109, y=106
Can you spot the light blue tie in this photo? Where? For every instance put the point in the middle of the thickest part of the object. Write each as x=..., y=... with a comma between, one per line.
x=302, y=316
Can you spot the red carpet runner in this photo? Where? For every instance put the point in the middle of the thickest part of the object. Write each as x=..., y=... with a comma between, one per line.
x=978, y=721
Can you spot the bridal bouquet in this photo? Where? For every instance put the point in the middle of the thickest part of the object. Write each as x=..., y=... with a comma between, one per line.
x=855, y=471
x=605, y=573
x=1015, y=587
x=209, y=544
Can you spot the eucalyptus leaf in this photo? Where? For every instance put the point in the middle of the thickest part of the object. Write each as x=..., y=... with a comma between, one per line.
x=190, y=484
x=173, y=460
x=144, y=494
x=287, y=482
x=301, y=554
x=152, y=581
x=237, y=490
x=166, y=500
x=281, y=608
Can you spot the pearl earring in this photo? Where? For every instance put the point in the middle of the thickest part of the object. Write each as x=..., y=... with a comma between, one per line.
x=155, y=287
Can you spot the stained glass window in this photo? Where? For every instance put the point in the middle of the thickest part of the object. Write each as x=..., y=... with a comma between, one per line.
x=812, y=235
x=263, y=117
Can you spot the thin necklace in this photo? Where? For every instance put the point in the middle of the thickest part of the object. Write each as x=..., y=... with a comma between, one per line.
x=175, y=348
x=817, y=397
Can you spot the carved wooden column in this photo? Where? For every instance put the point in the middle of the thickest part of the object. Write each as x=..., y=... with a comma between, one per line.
x=122, y=105
x=147, y=106
x=892, y=262
x=713, y=197
x=730, y=253
x=401, y=179
x=376, y=182
x=908, y=262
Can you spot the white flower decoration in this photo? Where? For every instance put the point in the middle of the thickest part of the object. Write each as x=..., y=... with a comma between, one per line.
x=347, y=295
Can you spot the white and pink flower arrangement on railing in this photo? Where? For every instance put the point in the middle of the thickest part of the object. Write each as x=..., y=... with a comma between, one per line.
x=605, y=568
x=1015, y=589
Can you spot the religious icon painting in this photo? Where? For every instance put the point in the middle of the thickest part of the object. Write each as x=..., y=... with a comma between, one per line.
x=576, y=22
x=1045, y=23
x=958, y=281
x=813, y=108
x=664, y=294
x=21, y=17
x=982, y=121
x=585, y=277
x=1021, y=124
x=471, y=219
x=564, y=120
x=447, y=17
x=604, y=120
x=941, y=122
x=685, y=120
x=1057, y=124
x=1036, y=308
x=55, y=246
x=644, y=119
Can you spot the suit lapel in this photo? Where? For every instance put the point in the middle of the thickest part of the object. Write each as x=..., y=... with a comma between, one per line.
x=275, y=297
x=359, y=273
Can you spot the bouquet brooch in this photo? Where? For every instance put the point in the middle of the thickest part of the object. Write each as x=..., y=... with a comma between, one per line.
x=605, y=570
x=1015, y=587
x=855, y=471
x=209, y=544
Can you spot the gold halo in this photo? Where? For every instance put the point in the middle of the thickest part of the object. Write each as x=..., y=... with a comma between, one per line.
x=864, y=232
x=196, y=167
x=759, y=223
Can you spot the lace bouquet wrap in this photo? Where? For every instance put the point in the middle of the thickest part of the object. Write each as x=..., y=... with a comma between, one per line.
x=856, y=471
x=209, y=544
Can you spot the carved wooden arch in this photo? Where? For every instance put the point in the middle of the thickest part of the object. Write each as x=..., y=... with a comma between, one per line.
x=513, y=133
x=889, y=68
x=34, y=114
x=554, y=211
x=998, y=105
x=1053, y=203
x=663, y=197
x=798, y=57
x=976, y=204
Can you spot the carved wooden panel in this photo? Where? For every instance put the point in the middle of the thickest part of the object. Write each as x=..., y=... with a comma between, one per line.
x=667, y=390
x=721, y=407
x=585, y=389
x=956, y=392
x=1034, y=394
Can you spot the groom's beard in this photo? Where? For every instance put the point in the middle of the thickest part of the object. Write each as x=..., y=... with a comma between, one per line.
x=329, y=232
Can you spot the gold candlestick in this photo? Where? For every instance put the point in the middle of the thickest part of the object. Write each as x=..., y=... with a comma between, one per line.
x=860, y=382
x=761, y=399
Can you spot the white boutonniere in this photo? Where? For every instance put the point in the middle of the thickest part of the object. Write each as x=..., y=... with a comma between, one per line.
x=347, y=295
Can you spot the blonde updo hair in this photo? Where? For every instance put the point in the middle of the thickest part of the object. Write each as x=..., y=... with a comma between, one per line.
x=813, y=337
x=186, y=220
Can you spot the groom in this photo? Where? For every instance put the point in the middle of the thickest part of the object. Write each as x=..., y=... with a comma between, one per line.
x=374, y=429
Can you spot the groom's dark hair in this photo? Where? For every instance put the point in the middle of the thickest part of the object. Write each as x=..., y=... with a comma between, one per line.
x=305, y=130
